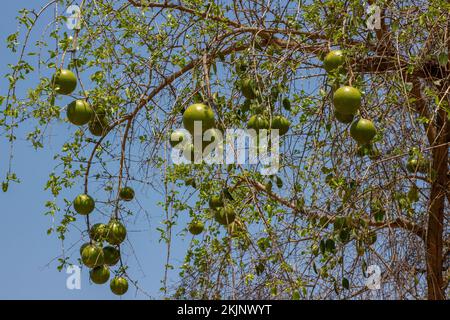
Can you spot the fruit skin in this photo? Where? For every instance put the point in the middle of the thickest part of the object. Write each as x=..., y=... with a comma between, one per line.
x=84, y=204
x=64, y=81
x=363, y=131
x=417, y=164
x=92, y=256
x=116, y=232
x=198, y=112
x=225, y=215
x=79, y=112
x=333, y=60
x=126, y=193
x=119, y=285
x=347, y=100
x=258, y=122
x=177, y=137
x=196, y=227
x=98, y=231
x=84, y=245
x=343, y=118
x=248, y=88
x=281, y=123
x=111, y=255
x=215, y=202
x=98, y=127
x=100, y=274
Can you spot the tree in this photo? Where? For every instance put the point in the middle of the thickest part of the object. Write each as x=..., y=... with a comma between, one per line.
x=336, y=206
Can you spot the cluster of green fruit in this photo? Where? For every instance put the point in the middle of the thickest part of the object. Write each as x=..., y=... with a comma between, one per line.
x=79, y=112
x=223, y=213
x=197, y=112
x=259, y=121
x=93, y=254
x=347, y=101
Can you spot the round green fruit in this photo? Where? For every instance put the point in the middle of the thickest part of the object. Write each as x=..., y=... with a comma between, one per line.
x=363, y=131
x=225, y=215
x=215, y=202
x=347, y=100
x=198, y=112
x=79, y=112
x=64, y=81
x=126, y=194
x=98, y=231
x=116, y=232
x=417, y=164
x=111, y=255
x=248, y=88
x=176, y=137
x=119, y=285
x=84, y=204
x=333, y=60
x=98, y=127
x=99, y=275
x=258, y=122
x=92, y=256
x=280, y=123
x=343, y=118
x=196, y=227
x=84, y=245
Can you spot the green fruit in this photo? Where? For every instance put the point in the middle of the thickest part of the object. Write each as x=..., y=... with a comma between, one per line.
x=363, y=131
x=215, y=202
x=225, y=215
x=417, y=164
x=79, y=112
x=84, y=204
x=347, y=100
x=280, y=123
x=119, y=285
x=258, y=122
x=99, y=113
x=98, y=232
x=333, y=60
x=343, y=118
x=126, y=194
x=64, y=81
x=98, y=127
x=177, y=137
x=248, y=88
x=111, y=255
x=196, y=227
x=92, y=256
x=99, y=275
x=116, y=232
x=198, y=112
x=84, y=245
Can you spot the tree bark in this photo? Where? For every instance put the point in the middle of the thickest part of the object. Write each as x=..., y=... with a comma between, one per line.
x=434, y=237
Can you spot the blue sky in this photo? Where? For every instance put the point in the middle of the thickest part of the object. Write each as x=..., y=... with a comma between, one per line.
x=27, y=263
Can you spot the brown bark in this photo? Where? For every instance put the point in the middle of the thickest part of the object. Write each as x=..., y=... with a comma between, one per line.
x=434, y=237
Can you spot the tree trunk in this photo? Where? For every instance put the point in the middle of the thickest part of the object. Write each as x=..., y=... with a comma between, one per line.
x=434, y=237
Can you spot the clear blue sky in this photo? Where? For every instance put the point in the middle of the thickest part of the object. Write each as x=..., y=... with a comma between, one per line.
x=26, y=250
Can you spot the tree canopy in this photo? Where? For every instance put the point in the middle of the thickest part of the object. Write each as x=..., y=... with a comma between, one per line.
x=365, y=188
